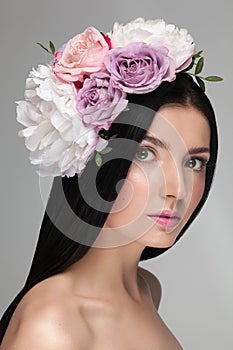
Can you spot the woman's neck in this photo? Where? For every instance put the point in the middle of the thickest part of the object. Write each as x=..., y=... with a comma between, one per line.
x=108, y=273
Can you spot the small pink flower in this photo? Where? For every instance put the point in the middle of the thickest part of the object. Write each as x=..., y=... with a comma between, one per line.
x=82, y=55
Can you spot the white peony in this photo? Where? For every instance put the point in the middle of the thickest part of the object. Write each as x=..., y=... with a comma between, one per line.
x=58, y=141
x=156, y=32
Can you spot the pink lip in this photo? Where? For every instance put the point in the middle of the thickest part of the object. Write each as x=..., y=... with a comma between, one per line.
x=166, y=218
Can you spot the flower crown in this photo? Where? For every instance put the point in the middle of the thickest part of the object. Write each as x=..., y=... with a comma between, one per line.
x=69, y=101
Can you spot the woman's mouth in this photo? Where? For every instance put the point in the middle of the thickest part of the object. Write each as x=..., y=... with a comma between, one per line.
x=166, y=218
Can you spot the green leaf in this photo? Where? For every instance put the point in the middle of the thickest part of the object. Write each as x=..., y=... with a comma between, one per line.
x=198, y=54
x=106, y=150
x=104, y=136
x=114, y=136
x=43, y=47
x=52, y=47
x=213, y=78
x=190, y=66
x=200, y=83
x=101, y=134
x=92, y=156
x=98, y=159
x=199, y=65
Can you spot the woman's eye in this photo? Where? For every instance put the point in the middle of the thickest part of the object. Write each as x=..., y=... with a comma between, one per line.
x=144, y=154
x=196, y=164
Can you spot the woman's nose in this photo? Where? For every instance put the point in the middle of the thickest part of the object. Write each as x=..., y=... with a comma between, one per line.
x=174, y=182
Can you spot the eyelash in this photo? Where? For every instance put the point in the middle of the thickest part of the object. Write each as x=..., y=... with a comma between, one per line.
x=144, y=148
x=199, y=159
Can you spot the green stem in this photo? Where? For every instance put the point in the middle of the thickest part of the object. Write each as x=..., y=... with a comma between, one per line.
x=195, y=75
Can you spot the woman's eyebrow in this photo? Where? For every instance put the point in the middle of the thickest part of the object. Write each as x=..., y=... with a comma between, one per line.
x=156, y=142
x=159, y=143
x=196, y=150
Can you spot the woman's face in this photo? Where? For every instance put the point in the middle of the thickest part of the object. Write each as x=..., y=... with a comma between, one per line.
x=166, y=179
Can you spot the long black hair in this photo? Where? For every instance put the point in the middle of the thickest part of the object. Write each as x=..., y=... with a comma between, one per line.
x=61, y=240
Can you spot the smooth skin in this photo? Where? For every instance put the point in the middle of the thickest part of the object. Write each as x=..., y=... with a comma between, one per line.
x=105, y=301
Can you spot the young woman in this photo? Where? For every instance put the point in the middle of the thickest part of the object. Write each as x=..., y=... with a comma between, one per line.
x=127, y=203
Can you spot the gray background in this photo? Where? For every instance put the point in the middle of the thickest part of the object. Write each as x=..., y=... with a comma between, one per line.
x=196, y=275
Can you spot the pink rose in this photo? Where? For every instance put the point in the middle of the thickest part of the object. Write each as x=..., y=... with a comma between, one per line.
x=82, y=55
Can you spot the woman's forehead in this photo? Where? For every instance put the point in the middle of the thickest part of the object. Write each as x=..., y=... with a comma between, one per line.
x=175, y=124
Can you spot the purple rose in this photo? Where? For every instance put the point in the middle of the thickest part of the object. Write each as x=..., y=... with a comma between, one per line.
x=99, y=102
x=139, y=67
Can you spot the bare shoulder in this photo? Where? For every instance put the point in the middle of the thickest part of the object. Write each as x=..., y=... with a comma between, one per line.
x=46, y=320
x=45, y=329
x=153, y=284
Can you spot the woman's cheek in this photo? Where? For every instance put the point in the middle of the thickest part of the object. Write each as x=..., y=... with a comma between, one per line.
x=197, y=193
x=133, y=197
x=140, y=187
